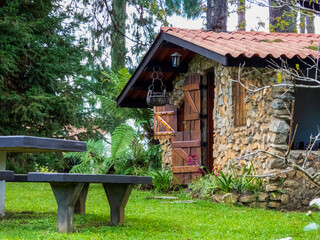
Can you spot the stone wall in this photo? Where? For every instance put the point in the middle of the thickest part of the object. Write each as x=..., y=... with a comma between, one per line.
x=262, y=199
x=267, y=128
x=166, y=154
x=290, y=190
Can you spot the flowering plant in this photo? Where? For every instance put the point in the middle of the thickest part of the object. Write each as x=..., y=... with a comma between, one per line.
x=192, y=161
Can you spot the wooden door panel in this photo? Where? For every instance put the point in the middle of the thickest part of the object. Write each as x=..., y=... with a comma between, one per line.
x=184, y=169
x=184, y=145
x=191, y=101
x=182, y=153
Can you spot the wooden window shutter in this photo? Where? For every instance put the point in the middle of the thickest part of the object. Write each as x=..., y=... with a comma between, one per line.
x=164, y=121
x=239, y=95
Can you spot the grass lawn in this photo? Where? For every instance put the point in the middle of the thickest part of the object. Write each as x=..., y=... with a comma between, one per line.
x=31, y=214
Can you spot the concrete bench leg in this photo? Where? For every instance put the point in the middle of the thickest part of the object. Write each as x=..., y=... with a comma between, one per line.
x=3, y=159
x=118, y=195
x=80, y=207
x=66, y=195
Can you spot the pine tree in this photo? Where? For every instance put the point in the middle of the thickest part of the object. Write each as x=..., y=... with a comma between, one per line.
x=43, y=81
x=241, y=15
x=281, y=18
x=118, y=28
x=111, y=26
x=310, y=23
x=217, y=14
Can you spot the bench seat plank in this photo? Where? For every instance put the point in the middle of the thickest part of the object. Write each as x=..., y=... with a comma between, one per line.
x=6, y=175
x=39, y=144
x=87, y=178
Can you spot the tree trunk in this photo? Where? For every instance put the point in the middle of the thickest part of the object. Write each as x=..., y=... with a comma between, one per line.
x=217, y=13
x=118, y=30
x=281, y=19
x=241, y=15
x=310, y=23
x=302, y=21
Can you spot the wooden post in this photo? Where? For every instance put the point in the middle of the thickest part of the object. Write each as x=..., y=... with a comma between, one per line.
x=3, y=158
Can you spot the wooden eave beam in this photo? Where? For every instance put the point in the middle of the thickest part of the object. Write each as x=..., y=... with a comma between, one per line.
x=143, y=86
x=267, y=62
x=166, y=44
x=135, y=103
x=167, y=67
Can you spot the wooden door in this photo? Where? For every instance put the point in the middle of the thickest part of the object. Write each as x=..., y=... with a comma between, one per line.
x=187, y=143
x=164, y=121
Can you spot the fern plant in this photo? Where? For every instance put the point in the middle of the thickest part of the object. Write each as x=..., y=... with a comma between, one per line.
x=89, y=161
x=116, y=82
x=127, y=148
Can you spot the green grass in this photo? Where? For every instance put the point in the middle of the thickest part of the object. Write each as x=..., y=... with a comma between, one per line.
x=31, y=214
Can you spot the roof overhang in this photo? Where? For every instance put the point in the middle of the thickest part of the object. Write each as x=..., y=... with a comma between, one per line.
x=159, y=54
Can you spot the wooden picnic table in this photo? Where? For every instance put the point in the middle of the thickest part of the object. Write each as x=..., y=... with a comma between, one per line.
x=26, y=144
x=67, y=187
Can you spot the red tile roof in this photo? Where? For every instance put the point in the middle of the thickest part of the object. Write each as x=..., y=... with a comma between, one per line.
x=249, y=44
x=255, y=49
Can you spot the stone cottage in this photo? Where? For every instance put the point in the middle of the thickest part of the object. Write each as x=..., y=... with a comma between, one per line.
x=213, y=120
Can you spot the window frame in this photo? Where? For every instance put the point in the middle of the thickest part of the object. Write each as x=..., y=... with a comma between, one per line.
x=239, y=106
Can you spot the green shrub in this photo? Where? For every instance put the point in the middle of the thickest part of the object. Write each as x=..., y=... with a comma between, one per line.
x=29, y=162
x=207, y=185
x=224, y=181
x=162, y=179
x=90, y=161
x=240, y=183
x=255, y=185
x=203, y=187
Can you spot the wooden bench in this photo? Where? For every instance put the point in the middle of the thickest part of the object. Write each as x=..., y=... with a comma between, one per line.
x=67, y=188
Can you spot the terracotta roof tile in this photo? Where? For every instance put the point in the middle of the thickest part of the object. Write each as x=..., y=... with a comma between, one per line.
x=249, y=44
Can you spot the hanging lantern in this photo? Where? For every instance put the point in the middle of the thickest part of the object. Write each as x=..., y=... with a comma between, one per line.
x=157, y=98
x=176, y=57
